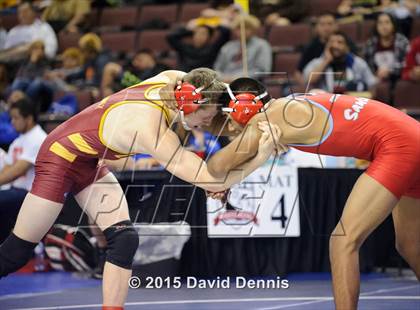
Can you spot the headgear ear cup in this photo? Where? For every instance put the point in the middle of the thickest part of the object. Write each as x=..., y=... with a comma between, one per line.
x=188, y=97
x=245, y=107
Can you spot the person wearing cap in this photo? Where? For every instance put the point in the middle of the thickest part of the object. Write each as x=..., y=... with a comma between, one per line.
x=259, y=55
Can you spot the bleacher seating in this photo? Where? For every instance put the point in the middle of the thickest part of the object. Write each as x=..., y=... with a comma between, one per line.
x=351, y=30
x=120, y=41
x=163, y=13
x=320, y=6
x=190, y=11
x=154, y=40
x=125, y=17
x=121, y=31
x=289, y=37
x=9, y=21
x=66, y=40
x=407, y=94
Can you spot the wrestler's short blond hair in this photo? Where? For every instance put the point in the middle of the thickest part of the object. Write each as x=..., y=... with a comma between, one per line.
x=213, y=87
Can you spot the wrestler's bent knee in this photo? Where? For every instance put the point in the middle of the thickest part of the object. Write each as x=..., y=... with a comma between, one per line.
x=14, y=253
x=123, y=241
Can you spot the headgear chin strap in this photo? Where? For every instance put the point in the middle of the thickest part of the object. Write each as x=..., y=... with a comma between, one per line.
x=243, y=106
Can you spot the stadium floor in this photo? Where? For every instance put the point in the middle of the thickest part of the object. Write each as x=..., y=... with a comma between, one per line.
x=59, y=290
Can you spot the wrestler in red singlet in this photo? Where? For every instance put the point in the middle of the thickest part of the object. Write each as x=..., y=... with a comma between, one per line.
x=68, y=158
x=371, y=130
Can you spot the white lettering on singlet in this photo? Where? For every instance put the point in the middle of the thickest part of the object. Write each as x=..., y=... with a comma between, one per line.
x=353, y=113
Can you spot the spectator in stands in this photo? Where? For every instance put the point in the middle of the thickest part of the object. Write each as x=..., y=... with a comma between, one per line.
x=95, y=60
x=385, y=51
x=66, y=15
x=30, y=74
x=20, y=161
x=8, y=133
x=338, y=70
x=411, y=69
x=4, y=80
x=143, y=66
x=65, y=77
x=405, y=12
x=326, y=25
x=280, y=12
x=202, y=51
x=3, y=35
x=8, y=4
x=259, y=54
x=352, y=8
x=30, y=29
x=220, y=13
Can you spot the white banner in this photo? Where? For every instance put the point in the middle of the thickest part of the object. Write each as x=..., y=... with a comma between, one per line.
x=265, y=204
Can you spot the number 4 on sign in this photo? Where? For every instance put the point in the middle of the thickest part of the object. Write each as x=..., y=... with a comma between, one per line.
x=278, y=213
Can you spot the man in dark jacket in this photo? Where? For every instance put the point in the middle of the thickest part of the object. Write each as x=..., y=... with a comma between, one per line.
x=203, y=50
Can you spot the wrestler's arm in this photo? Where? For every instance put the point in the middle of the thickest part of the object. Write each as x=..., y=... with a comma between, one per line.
x=191, y=168
x=168, y=76
x=240, y=150
x=12, y=172
x=220, y=127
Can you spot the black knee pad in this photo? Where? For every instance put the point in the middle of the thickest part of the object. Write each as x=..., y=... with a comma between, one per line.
x=123, y=241
x=14, y=253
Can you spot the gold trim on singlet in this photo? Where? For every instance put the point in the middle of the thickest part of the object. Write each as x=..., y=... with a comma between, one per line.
x=81, y=144
x=153, y=104
x=58, y=149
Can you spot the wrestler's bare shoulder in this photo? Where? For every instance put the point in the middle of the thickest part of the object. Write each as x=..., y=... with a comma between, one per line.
x=125, y=125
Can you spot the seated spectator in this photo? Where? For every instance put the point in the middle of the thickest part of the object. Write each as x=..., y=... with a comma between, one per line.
x=338, y=70
x=30, y=29
x=385, y=51
x=202, y=51
x=405, y=12
x=95, y=60
x=259, y=54
x=64, y=78
x=8, y=4
x=220, y=13
x=29, y=77
x=411, y=71
x=8, y=133
x=66, y=15
x=326, y=25
x=3, y=35
x=143, y=66
x=280, y=12
x=349, y=8
x=4, y=81
x=20, y=161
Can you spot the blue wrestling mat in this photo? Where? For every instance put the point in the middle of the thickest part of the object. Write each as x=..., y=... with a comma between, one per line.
x=58, y=290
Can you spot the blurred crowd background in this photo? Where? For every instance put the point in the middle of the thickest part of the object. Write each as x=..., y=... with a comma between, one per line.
x=59, y=56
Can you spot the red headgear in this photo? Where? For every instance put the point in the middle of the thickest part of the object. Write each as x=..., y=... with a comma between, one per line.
x=188, y=97
x=243, y=106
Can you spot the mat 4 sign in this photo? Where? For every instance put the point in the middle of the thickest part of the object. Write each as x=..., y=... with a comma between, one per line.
x=265, y=204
